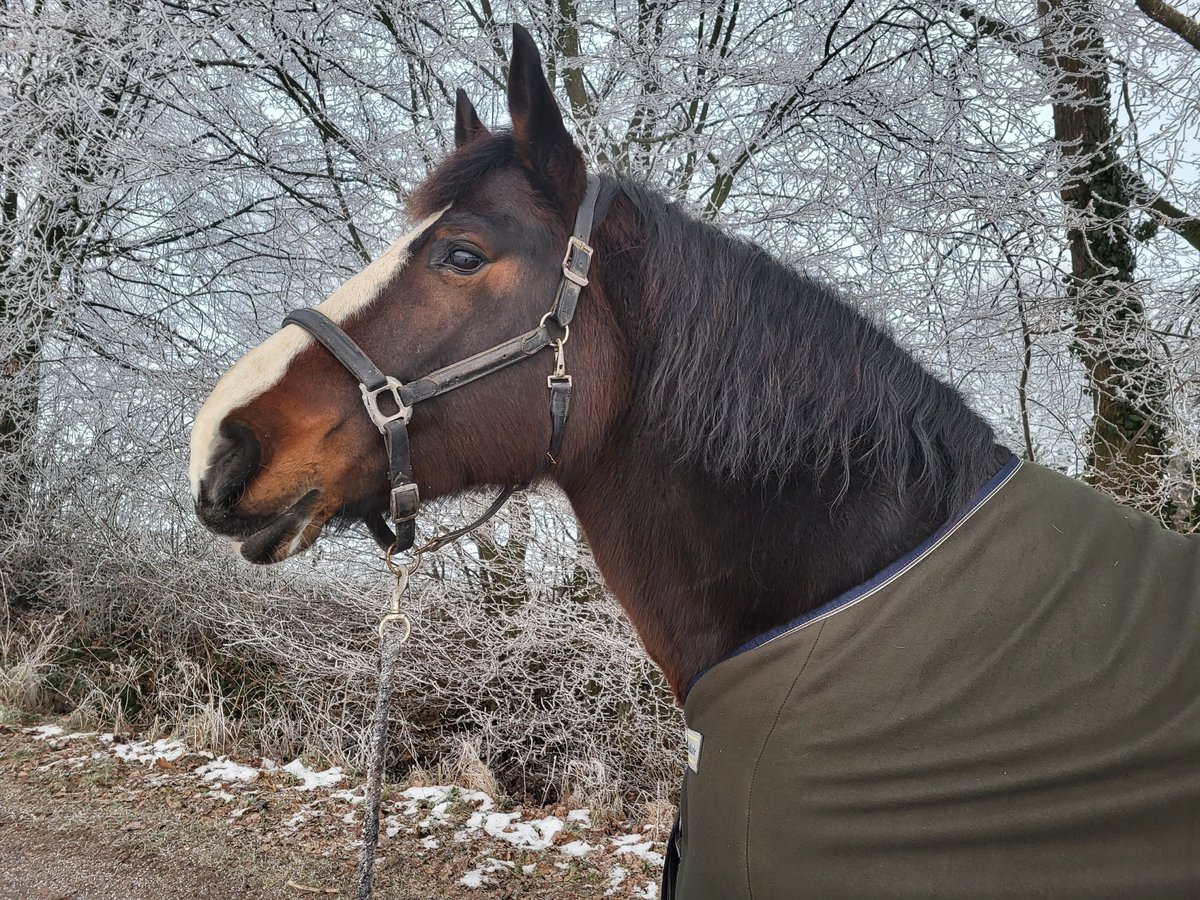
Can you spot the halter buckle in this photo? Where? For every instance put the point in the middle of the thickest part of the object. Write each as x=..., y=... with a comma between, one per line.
x=577, y=261
x=371, y=402
x=404, y=502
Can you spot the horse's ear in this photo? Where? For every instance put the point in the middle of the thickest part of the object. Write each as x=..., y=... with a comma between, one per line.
x=467, y=125
x=542, y=138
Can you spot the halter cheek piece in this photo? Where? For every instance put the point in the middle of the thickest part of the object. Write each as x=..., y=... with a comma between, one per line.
x=390, y=402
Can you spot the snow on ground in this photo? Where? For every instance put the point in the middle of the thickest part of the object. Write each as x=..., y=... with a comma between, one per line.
x=537, y=834
x=226, y=770
x=146, y=752
x=312, y=779
x=576, y=848
x=640, y=846
x=628, y=862
x=581, y=817
x=616, y=878
x=478, y=877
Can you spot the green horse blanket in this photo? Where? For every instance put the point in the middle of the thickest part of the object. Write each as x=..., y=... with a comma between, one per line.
x=1012, y=710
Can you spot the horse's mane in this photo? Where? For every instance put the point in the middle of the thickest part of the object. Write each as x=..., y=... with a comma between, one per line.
x=756, y=372
x=759, y=372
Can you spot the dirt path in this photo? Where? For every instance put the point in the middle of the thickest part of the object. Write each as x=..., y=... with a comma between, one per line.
x=41, y=862
x=77, y=821
x=62, y=843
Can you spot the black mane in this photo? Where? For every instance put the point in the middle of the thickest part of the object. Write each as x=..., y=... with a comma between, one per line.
x=758, y=372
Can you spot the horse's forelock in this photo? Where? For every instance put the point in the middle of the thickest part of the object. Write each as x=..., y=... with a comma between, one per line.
x=461, y=172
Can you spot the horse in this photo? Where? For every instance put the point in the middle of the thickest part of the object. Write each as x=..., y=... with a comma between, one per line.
x=909, y=663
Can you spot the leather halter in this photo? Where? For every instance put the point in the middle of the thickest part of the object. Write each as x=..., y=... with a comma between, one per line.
x=552, y=331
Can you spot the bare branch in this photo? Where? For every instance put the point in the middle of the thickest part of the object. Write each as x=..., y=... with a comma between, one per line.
x=1166, y=213
x=1170, y=17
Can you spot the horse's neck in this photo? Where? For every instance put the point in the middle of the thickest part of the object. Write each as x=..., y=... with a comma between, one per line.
x=702, y=567
x=703, y=563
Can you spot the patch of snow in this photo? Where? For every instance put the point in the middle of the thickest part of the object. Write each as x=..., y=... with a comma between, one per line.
x=73, y=762
x=473, y=879
x=615, y=877
x=56, y=736
x=644, y=850
x=440, y=797
x=580, y=817
x=218, y=794
x=295, y=820
x=224, y=769
x=394, y=826
x=478, y=877
x=430, y=843
x=145, y=752
x=349, y=818
x=577, y=848
x=649, y=892
x=311, y=779
x=537, y=834
x=497, y=824
x=350, y=795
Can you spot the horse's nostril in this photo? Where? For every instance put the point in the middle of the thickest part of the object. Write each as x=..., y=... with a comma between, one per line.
x=235, y=460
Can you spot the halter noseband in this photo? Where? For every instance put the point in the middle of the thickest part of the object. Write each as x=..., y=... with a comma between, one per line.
x=552, y=331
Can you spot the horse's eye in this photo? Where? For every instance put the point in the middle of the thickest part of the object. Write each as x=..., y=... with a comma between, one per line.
x=463, y=260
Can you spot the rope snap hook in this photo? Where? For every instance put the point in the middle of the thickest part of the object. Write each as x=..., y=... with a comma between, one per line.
x=396, y=615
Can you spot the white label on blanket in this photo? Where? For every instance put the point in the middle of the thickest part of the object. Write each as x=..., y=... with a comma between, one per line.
x=694, y=740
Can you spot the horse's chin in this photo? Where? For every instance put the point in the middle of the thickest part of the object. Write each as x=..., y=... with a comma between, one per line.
x=292, y=531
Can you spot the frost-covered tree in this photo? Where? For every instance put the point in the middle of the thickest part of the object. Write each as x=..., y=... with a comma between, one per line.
x=1013, y=189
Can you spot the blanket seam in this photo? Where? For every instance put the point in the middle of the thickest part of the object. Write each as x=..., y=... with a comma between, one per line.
x=763, y=749
x=842, y=602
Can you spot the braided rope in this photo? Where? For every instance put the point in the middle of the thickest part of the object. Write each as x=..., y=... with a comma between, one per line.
x=389, y=659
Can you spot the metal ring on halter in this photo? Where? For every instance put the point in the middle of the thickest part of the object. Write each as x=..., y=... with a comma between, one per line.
x=566, y=328
x=402, y=568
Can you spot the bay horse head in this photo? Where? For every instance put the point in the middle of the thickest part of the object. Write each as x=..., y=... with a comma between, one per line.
x=743, y=445
x=283, y=445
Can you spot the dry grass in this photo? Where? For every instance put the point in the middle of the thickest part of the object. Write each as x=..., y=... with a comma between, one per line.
x=522, y=677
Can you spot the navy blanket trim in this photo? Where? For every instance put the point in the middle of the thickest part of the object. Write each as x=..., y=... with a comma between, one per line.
x=884, y=575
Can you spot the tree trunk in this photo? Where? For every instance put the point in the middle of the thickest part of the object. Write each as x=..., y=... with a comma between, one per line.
x=17, y=420
x=1128, y=449
x=20, y=318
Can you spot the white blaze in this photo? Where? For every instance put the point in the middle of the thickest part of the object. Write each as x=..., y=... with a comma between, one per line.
x=263, y=367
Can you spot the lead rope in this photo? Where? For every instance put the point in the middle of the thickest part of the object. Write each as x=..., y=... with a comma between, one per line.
x=394, y=630
x=395, y=627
